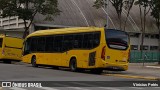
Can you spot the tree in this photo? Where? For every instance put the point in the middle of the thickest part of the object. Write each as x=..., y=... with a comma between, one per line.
x=27, y=9
x=155, y=13
x=144, y=6
x=128, y=7
x=118, y=5
x=99, y=3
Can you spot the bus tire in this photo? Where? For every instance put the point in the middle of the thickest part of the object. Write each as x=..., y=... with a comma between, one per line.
x=33, y=62
x=73, y=65
x=96, y=71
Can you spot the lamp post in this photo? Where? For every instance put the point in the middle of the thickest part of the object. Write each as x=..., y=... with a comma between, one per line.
x=106, y=6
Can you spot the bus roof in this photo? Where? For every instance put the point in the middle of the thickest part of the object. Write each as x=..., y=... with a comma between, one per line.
x=64, y=30
x=3, y=36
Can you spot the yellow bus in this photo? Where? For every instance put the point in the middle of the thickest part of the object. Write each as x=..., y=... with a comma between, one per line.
x=78, y=48
x=10, y=48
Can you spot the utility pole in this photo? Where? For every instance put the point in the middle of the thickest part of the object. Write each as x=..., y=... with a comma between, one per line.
x=106, y=6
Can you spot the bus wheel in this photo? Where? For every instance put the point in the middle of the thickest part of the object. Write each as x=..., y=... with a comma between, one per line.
x=73, y=65
x=33, y=62
x=96, y=71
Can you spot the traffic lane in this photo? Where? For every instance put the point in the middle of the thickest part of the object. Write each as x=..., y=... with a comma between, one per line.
x=28, y=73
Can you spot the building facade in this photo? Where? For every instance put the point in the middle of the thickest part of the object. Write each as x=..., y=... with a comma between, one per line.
x=12, y=26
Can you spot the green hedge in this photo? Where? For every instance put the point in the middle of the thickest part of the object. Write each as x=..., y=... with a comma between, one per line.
x=148, y=56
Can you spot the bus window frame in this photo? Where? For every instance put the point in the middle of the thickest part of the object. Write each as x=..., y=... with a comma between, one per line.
x=63, y=35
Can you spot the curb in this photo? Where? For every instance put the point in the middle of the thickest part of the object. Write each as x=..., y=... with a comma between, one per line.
x=158, y=67
x=134, y=77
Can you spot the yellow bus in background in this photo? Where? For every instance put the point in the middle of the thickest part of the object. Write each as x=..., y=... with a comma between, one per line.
x=10, y=48
x=78, y=48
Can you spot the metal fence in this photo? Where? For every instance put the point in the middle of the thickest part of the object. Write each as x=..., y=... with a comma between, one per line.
x=146, y=56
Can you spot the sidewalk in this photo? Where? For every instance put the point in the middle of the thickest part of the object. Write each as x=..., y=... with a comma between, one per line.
x=148, y=70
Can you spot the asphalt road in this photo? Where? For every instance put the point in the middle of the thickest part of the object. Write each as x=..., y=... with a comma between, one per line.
x=25, y=72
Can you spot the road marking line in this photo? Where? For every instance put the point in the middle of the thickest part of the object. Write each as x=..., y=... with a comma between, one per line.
x=153, y=66
x=89, y=85
x=109, y=88
x=135, y=77
x=78, y=88
x=156, y=87
x=47, y=88
x=16, y=88
x=136, y=87
x=67, y=86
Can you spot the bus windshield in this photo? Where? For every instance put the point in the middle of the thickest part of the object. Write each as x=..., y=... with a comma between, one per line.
x=1, y=41
x=116, y=39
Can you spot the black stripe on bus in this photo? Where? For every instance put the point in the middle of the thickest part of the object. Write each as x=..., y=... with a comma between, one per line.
x=13, y=47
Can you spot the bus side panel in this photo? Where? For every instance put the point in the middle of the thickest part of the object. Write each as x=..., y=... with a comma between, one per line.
x=1, y=53
x=49, y=58
x=26, y=58
x=82, y=57
x=12, y=48
x=11, y=53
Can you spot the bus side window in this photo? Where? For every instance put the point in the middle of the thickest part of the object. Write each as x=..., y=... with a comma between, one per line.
x=41, y=44
x=96, y=39
x=88, y=41
x=49, y=44
x=85, y=41
x=67, y=42
x=33, y=44
x=78, y=41
x=27, y=47
x=58, y=43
